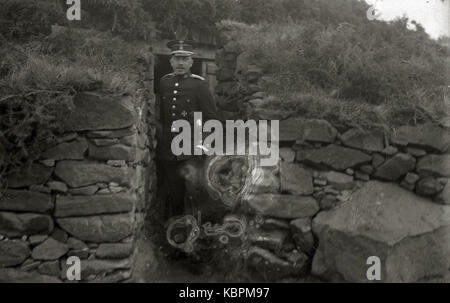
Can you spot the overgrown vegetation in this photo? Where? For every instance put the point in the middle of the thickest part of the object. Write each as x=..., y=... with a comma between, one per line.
x=365, y=72
x=39, y=78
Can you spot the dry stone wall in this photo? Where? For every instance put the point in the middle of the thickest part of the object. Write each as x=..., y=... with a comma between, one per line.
x=342, y=194
x=87, y=195
x=334, y=200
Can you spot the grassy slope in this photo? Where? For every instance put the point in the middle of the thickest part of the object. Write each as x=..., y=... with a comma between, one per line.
x=347, y=74
x=70, y=59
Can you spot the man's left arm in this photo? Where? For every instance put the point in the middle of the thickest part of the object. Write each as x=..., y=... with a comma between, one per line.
x=207, y=104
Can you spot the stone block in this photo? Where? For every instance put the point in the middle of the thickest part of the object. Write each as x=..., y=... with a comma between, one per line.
x=20, y=224
x=340, y=181
x=364, y=140
x=113, y=152
x=72, y=206
x=97, y=111
x=13, y=253
x=26, y=176
x=434, y=165
x=81, y=173
x=427, y=136
x=73, y=150
x=25, y=201
x=50, y=249
x=114, y=250
x=336, y=157
x=395, y=167
x=283, y=206
x=98, y=229
x=295, y=179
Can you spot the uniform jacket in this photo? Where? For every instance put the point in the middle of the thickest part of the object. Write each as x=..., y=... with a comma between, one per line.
x=180, y=97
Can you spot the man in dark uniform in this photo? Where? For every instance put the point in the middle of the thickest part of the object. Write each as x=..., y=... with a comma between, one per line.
x=181, y=94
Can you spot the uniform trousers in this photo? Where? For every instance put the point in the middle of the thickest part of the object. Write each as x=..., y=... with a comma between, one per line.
x=173, y=188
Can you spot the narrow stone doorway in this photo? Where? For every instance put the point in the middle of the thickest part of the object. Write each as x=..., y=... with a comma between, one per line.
x=154, y=264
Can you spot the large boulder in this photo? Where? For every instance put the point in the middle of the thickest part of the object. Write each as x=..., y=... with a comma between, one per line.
x=24, y=200
x=283, y=206
x=428, y=136
x=94, y=111
x=409, y=234
x=334, y=156
x=106, y=228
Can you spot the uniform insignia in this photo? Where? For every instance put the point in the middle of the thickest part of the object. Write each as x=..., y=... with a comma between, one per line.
x=197, y=77
x=184, y=113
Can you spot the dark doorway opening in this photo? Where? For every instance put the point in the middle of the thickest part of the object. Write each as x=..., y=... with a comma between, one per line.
x=172, y=267
x=216, y=257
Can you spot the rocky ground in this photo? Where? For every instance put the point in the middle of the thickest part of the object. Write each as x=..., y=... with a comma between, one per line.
x=153, y=266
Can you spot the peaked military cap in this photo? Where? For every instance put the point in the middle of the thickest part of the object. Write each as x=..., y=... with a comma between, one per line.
x=181, y=47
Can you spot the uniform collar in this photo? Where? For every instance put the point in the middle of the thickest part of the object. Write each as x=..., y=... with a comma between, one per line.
x=184, y=76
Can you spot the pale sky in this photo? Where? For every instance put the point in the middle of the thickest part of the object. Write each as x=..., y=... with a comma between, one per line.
x=434, y=15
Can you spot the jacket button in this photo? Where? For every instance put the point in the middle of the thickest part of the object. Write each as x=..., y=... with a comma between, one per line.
x=188, y=100
x=176, y=84
x=173, y=114
x=174, y=99
x=175, y=91
x=173, y=106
